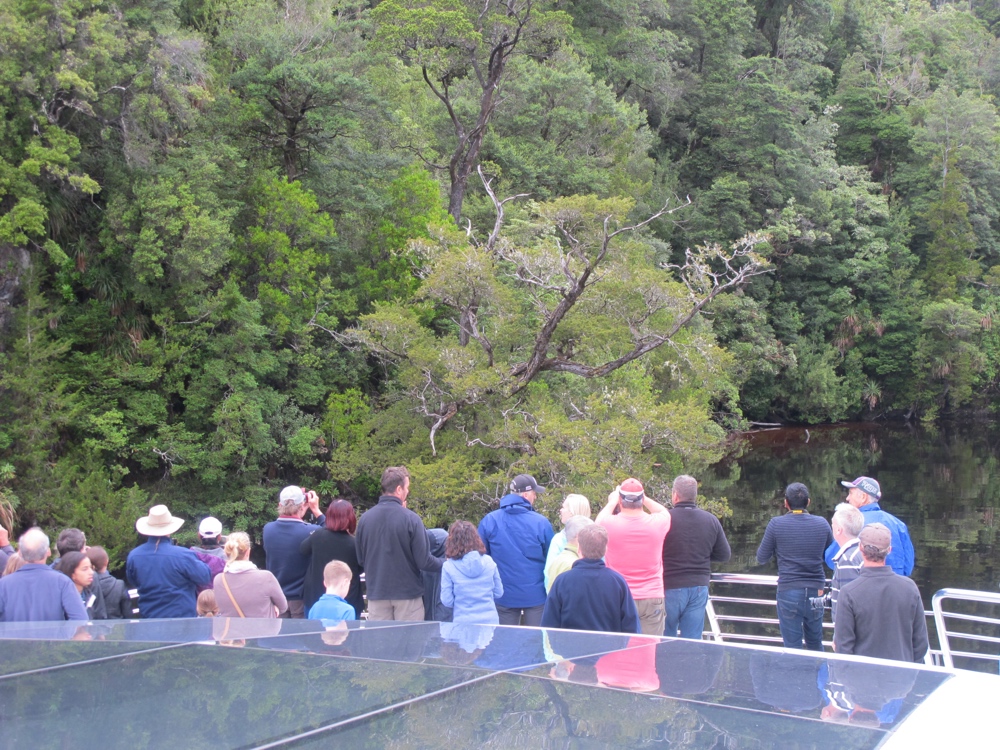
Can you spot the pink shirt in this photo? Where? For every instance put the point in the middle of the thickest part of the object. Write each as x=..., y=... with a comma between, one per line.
x=635, y=549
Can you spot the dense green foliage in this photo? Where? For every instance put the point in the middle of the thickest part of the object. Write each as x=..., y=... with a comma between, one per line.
x=246, y=243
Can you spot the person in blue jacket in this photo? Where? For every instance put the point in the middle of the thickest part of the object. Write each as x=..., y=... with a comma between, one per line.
x=166, y=575
x=864, y=494
x=470, y=581
x=517, y=537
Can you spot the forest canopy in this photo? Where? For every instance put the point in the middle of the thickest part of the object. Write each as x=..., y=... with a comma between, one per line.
x=248, y=243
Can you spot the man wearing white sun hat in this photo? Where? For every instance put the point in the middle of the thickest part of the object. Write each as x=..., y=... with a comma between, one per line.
x=166, y=575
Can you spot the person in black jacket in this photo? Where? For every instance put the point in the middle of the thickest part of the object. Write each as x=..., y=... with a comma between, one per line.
x=117, y=603
x=695, y=541
x=335, y=541
x=392, y=548
x=591, y=596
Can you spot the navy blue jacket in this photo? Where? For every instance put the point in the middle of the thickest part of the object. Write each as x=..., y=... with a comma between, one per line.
x=167, y=577
x=591, y=596
x=517, y=538
x=798, y=540
x=282, y=545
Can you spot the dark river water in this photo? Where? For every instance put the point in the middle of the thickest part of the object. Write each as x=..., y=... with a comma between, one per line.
x=944, y=483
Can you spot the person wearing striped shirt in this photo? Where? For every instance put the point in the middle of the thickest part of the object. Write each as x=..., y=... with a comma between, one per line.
x=798, y=539
x=846, y=524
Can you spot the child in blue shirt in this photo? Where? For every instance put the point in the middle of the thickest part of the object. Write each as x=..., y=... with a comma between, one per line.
x=332, y=607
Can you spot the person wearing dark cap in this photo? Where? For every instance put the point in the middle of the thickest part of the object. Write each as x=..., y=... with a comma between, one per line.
x=864, y=493
x=635, y=548
x=798, y=539
x=880, y=613
x=517, y=537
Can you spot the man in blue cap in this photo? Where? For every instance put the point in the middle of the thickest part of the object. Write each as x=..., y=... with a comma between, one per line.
x=864, y=494
x=517, y=537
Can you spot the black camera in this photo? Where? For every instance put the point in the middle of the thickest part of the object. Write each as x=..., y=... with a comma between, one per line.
x=819, y=602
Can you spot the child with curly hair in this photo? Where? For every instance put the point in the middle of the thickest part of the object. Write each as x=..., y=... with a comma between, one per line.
x=470, y=580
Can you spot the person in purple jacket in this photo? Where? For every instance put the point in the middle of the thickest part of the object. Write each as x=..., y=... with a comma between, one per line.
x=35, y=592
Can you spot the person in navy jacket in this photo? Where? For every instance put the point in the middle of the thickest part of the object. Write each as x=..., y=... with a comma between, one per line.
x=591, y=596
x=166, y=575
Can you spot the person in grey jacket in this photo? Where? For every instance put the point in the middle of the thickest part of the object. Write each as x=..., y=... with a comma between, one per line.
x=392, y=548
x=880, y=613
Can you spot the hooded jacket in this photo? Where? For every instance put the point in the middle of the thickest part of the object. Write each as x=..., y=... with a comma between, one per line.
x=517, y=537
x=470, y=585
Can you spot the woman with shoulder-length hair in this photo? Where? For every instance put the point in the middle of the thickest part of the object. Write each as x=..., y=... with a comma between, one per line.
x=470, y=581
x=335, y=541
x=241, y=589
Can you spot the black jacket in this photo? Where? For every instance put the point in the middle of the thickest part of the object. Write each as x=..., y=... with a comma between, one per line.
x=695, y=541
x=321, y=547
x=392, y=548
x=117, y=604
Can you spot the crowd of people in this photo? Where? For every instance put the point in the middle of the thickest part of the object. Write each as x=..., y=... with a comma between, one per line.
x=640, y=566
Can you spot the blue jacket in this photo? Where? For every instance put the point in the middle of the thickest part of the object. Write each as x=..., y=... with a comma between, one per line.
x=36, y=593
x=591, y=596
x=901, y=558
x=470, y=585
x=167, y=577
x=517, y=538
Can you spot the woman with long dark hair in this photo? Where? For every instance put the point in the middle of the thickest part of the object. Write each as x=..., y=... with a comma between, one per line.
x=333, y=542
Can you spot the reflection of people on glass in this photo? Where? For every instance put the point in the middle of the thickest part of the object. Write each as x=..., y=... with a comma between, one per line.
x=687, y=666
x=632, y=668
x=470, y=581
x=788, y=682
x=865, y=694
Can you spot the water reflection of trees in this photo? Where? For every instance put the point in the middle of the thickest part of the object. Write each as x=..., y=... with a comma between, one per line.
x=944, y=483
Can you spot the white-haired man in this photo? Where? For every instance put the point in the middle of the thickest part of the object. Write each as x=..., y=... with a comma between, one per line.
x=35, y=592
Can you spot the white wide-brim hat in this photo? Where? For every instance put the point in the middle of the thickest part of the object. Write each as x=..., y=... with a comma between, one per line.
x=159, y=522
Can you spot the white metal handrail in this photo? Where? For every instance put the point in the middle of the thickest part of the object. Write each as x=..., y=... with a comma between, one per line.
x=945, y=636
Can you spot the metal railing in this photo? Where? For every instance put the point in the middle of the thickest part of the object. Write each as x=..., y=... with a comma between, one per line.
x=739, y=619
x=733, y=610
x=975, y=620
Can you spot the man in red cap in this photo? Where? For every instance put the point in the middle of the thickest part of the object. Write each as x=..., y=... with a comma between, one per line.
x=635, y=548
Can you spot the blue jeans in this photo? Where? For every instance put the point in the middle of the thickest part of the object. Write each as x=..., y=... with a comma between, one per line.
x=799, y=620
x=685, y=610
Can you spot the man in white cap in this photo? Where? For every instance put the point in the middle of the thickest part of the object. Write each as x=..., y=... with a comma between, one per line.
x=635, y=548
x=167, y=576
x=282, y=539
x=864, y=493
x=210, y=550
x=880, y=613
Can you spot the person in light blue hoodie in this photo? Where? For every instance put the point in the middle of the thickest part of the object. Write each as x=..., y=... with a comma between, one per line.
x=470, y=581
